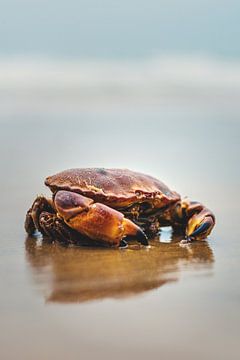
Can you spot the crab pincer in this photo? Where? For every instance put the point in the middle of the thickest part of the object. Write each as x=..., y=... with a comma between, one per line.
x=197, y=219
x=95, y=220
x=199, y=224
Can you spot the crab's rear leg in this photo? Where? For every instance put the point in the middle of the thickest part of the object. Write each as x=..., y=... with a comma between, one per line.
x=195, y=217
x=96, y=220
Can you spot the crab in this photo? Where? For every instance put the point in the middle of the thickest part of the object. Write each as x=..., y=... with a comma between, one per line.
x=107, y=206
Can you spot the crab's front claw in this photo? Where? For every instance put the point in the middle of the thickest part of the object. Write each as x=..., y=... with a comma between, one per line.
x=200, y=220
x=95, y=220
x=195, y=217
x=200, y=225
x=132, y=229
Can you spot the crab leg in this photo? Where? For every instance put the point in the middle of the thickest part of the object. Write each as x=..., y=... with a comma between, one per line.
x=198, y=220
x=32, y=218
x=95, y=220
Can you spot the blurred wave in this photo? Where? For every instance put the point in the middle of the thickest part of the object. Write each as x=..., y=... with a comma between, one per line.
x=83, y=81
x=140, y=75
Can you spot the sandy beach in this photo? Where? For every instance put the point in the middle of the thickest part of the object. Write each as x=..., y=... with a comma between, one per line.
x=168, y=301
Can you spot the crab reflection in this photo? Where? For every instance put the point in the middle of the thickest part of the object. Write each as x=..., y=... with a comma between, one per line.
x=74, y=274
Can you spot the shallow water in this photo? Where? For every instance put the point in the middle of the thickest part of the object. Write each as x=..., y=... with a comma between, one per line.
x=167, y=301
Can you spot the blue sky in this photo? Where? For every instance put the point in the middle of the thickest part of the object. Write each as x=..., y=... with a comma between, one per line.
x=119, y=29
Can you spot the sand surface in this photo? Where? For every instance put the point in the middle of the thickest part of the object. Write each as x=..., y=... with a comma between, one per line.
x=168, y=301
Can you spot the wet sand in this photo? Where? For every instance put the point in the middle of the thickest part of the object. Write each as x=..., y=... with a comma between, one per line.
x=168, y=301
x=79, y=274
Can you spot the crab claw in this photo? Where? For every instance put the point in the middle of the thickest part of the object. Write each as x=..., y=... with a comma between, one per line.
x=132, y=229
x=200, y=220
x=95, y=220
x=200, y=225
x=197, y=219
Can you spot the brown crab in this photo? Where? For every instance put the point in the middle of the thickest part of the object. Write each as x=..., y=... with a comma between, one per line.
x=103, y=206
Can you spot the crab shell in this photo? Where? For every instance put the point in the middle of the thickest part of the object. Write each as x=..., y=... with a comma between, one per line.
x=116, y=188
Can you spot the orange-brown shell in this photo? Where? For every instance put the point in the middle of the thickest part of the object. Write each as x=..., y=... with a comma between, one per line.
x=117, y=188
